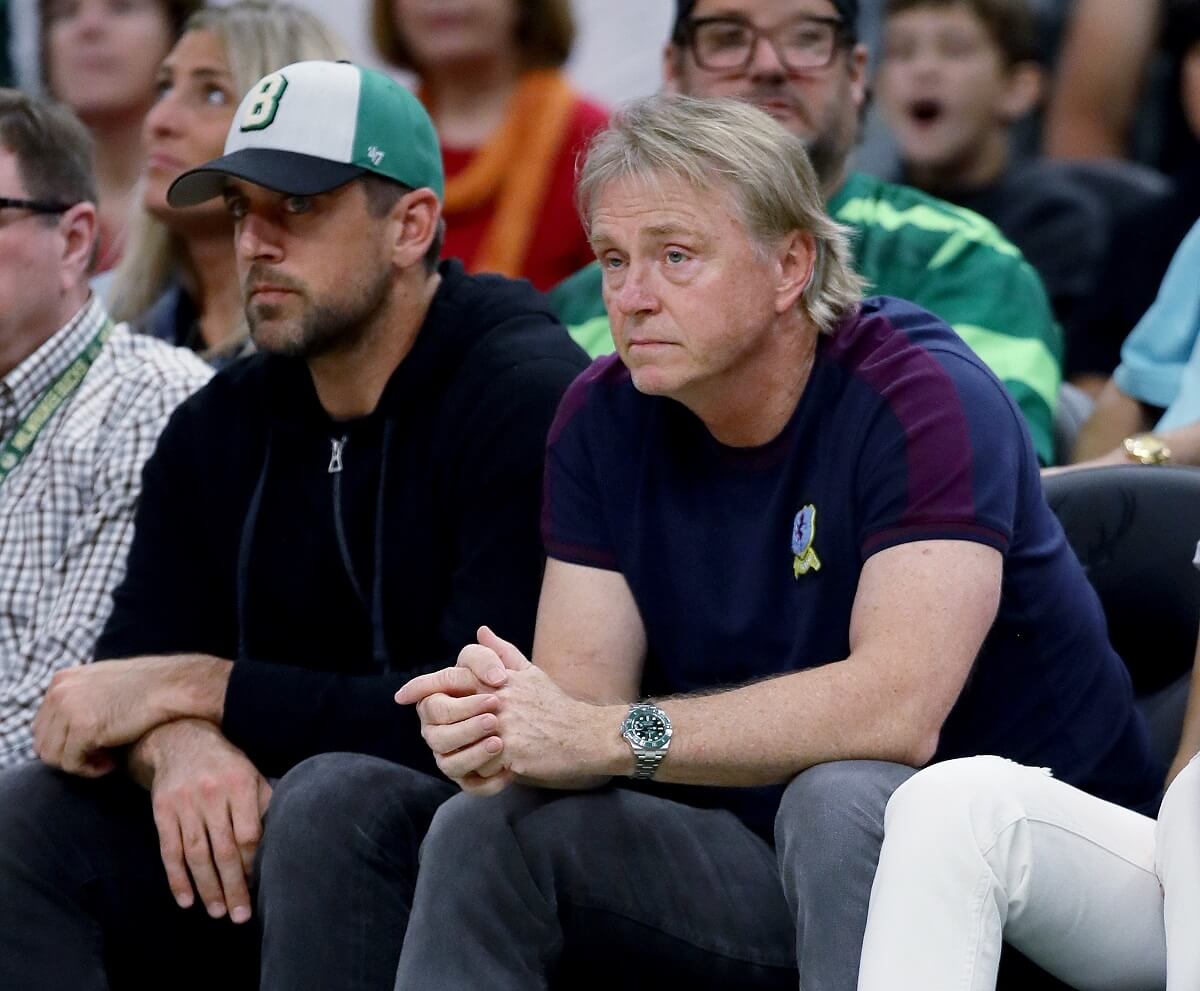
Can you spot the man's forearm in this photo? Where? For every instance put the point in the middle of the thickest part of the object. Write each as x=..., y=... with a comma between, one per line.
x=146, y=755
x=767, y=732
x=193, y=685
x=142, y=756
x=1115, y=417
x=92, y=709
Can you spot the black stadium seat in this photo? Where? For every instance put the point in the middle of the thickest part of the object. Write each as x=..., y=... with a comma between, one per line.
x=1135, y=529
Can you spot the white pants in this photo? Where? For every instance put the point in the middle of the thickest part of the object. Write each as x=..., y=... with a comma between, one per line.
x=982, y=850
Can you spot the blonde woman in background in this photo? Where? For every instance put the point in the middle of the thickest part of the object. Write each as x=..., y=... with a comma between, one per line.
x=509, y=123
x=178, y=280
x=99, y=58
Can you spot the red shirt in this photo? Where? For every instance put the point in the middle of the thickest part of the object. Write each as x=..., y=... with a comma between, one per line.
x=558, y=247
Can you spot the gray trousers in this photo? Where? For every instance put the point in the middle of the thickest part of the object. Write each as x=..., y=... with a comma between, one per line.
x=84, y=902
x=534, y=888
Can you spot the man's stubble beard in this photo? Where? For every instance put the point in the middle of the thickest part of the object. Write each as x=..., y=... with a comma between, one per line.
x=324, y=327
x=832, y=138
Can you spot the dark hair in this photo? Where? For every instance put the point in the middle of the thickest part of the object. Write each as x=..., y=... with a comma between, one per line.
x=1009, y=23
x=545, y=33
x=1181, y=26
x=177, y=11
x=54, y=151
x=382, y=194
x=847, y=10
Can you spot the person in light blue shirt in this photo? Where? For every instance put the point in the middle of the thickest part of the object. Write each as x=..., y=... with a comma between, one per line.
x=1157, y=385
x=1160, y=361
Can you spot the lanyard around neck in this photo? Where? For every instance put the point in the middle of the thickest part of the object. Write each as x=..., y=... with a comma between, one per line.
x=57, y=393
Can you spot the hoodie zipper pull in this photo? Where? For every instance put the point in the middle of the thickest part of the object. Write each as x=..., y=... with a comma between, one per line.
x=335, y=457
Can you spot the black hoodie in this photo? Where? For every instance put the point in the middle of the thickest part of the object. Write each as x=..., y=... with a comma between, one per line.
x=332, y=560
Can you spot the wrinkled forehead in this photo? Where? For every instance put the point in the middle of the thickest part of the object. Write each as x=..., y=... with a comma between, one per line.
x=656, y=206
x=656, y=189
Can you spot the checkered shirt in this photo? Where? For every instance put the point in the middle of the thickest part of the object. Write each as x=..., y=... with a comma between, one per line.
x=66, y=511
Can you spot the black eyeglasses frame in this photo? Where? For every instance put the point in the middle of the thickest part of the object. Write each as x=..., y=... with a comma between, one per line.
x=34, y=206
x=843, y=37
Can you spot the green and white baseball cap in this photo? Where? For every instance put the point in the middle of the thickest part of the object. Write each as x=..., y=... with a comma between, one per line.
x=313, y=126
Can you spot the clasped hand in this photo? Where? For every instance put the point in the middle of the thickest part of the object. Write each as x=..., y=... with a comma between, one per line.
x=495, y=716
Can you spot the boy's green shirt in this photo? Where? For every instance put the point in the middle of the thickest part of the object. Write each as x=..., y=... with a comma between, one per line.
x=948, y=260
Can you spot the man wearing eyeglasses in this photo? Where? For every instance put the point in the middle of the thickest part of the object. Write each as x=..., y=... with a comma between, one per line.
x=795, y=59
x=81, y=406
x=799, y=60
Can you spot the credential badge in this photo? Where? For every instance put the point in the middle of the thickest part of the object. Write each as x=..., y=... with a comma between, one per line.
x=804, y=530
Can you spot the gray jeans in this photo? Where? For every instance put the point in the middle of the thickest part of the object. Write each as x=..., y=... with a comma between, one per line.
x=84, y=902
x=533, y=887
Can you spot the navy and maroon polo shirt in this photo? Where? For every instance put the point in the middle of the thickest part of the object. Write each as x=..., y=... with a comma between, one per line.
x=745, y=562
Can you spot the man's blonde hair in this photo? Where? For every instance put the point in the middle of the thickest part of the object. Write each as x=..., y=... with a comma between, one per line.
x=728, y=144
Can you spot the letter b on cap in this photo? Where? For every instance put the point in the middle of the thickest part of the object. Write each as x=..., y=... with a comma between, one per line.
x=263, y=102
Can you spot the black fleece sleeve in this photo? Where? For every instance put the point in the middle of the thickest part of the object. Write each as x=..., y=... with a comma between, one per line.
x=176, y=593
x=178, y=596
x=279, y=714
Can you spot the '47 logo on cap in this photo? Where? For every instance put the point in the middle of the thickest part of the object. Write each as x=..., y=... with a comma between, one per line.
x=260, y=111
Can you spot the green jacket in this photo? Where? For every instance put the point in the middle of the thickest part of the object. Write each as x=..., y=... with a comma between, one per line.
x=949, y=260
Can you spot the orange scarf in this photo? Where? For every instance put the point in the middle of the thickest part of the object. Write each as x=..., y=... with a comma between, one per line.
x=515, y=168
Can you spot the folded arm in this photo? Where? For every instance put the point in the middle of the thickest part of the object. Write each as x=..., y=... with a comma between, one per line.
x=920, y=616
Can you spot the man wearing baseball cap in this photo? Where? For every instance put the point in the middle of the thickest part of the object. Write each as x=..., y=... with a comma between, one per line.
x=328, y=517
x=799, y=60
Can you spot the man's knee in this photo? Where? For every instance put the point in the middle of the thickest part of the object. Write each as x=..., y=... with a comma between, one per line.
x=552, y=836
x=29, y=794
x=349, y=799
x=961, y=784
x=840, y=802
x=65, y=831
x=41, y=807
x=467, y=823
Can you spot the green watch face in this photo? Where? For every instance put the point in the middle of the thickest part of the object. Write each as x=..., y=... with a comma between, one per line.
x=648, y=728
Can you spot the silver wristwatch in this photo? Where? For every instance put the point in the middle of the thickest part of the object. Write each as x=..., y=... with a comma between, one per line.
x=648, y=730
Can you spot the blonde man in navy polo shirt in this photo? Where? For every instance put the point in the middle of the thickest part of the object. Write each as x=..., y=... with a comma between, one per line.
x=798, y=547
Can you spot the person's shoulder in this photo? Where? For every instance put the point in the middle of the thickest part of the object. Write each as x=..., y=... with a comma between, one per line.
x=484, y=300
x=579, y=297
x=1039, y=193
x=884, y=327
x=875, y=206
x=607, y=376
x=604, y=391
x=229, y=400
x=138, y=357
x=129, y=394
x=910, y=366
x=904, y=353
x=587, y=117
x=505, y=323
x=147, y=375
